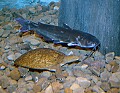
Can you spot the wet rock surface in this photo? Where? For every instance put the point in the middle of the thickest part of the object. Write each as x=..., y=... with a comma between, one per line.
x=15, y=74
x=97, y=74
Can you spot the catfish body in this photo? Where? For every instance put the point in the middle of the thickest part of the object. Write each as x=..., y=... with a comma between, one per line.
x=61, y=35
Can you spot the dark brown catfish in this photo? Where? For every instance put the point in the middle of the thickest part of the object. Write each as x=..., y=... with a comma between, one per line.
x=61, y=35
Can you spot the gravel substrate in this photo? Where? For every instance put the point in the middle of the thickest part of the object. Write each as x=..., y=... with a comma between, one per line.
x=97, y=74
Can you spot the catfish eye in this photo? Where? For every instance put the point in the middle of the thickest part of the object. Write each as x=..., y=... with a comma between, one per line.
x=61, y=31
x=91, y=44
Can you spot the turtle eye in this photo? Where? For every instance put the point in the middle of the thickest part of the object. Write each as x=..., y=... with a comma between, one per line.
x=62, y=79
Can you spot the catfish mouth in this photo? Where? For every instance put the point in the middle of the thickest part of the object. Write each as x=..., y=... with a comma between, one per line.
x=89, y=45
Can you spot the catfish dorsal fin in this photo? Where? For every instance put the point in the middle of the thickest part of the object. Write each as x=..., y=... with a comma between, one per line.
x=66, y=26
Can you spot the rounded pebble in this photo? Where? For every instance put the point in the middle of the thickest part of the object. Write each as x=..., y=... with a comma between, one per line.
x=11, y=57
x=83, y=82
x=2, y=67
x=36, y=88
x=74, y=86
x=15, y=74
x=68, y=90
x=28, y=78
x=4, y=82
x=34, y=42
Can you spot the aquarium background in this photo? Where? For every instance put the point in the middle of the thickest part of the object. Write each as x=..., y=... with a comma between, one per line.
x=23, y=3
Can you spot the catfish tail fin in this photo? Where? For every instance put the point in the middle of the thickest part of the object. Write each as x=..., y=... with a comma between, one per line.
x=24, y=23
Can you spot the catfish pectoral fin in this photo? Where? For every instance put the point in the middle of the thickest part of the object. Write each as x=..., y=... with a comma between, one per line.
x=46, y=39
x=59, y=42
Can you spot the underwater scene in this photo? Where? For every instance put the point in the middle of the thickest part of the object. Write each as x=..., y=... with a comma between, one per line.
x=39, y=56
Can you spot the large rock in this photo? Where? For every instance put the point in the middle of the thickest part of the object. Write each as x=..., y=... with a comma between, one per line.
x=36, y=88
x=109, y=57
x=31, y=40
x=6, y=33
x=79, y=90
x=15, y=74
x=2, y=90
x=97, y=89
x=68, y=90
x=83, y=82
x=115, y=80
x=105, y=86
x=11, y=57
x=49, y=89
x=4, y=82
x=74, y=86
x=105, y=75
x=56, y=86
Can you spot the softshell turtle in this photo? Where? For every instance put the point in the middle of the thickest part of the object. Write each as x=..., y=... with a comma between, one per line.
x=45, y=59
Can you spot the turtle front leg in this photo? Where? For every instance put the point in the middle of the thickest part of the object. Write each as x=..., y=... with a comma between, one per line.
x=69, y=59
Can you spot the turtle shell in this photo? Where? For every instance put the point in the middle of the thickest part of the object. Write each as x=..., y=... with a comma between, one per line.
x=40, y=58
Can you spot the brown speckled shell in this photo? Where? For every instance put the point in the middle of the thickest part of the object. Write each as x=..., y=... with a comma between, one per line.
x=40, y=58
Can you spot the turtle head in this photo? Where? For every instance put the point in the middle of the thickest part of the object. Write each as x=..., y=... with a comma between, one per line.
x=69, y=59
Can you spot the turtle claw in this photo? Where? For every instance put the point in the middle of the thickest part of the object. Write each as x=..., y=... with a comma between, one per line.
x=60, y=77
x=61, y=80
